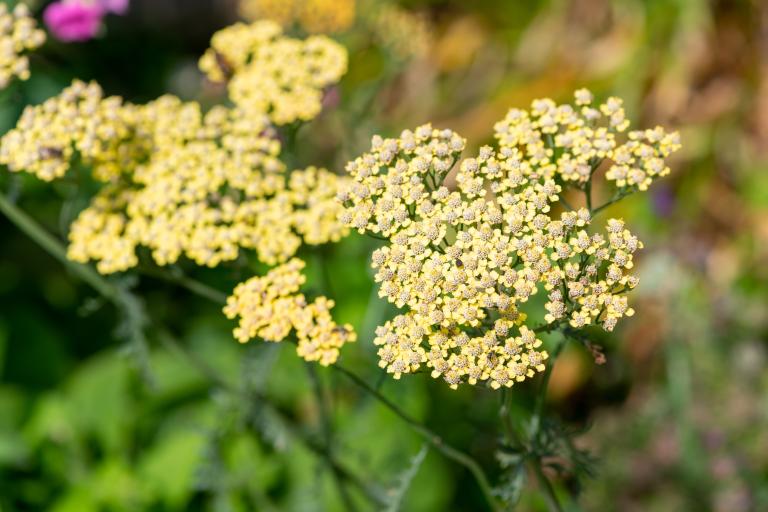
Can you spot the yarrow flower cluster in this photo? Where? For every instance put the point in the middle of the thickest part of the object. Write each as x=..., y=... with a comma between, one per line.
x=314, y=16
x=18, y=35
x=571, y=141
x=79, y=120
x=405, y=34
x=204, y=185
x=271, y=308
x=464, y=262
x=179, y=182
x=270, y=73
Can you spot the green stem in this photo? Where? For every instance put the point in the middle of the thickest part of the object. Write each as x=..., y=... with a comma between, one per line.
x=452, y=453
x=546, y=487
x=541, y=396
x=175, y=276
x=615, y=199
x=55, y=248
x=538, y=409
x=588, y=193
x=327, y=429
x=504, y=412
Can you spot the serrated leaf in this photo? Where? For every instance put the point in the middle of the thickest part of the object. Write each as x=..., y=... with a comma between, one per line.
x=397, y=494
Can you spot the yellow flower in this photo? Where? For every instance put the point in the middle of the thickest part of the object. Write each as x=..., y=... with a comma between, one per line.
x=463, y=263
x=181, y=182
x=271, y=308
x=314, y=16
x=403, y=33
x=18, y=35
x=269, y=73
x=80, y=120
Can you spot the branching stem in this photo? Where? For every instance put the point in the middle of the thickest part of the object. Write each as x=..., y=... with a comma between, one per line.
x=432, y=438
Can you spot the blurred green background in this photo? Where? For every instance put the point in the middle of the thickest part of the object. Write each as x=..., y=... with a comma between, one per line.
x=678, y=416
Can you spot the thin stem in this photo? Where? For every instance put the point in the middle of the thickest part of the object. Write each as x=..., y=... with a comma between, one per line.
x=327, y=429
x=432, y=438
x=504, y=412
x=55, y=248
x=535, y=460
x=175, y=276
x=615, y=199
x=588, y=193
x=546, y=486
x=541, y=395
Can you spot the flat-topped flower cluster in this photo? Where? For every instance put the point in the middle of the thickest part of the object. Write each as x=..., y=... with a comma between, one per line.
x=314, y=16
x=18, y=36
x=270, y=73
x=178, y=181
x=464, y=262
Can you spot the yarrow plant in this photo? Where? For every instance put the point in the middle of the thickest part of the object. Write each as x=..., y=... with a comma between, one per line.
x=466, y=242
x=202, y=185
x=465, y=262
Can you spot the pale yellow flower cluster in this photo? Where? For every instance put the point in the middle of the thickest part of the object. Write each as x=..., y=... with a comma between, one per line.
x=405, y=34
x=314, y=16
x=79, y=120
x=274, y=74
x=180, y=182
x=211, y=187
x=572, y=141
x=18, y=34
x=464, y=262
x=271, y=308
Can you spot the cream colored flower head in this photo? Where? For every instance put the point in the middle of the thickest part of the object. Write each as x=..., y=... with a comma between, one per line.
x=79, y=121
x=18, y=35
x=573, y=140
x=212, y=187
x=314, y=16
x=464, y=263
x=181, y=182
x=401, y=32
x=270, y=73
x=271, y=308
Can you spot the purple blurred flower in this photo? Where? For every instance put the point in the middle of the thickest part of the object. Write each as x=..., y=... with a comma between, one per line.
x=73, y=20
x=663, y=200
x=80, y=20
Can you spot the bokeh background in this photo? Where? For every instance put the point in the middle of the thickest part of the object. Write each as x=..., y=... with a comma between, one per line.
x=677, y=418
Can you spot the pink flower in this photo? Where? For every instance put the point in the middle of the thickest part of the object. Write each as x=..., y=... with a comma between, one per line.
x=73, y=20
x=114, y=6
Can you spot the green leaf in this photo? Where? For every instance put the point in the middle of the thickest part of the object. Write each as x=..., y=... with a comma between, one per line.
x=167, y=471
x=404, y=481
